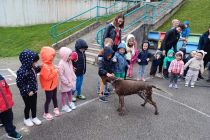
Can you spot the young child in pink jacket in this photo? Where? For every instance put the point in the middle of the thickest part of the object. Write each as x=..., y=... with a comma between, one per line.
x=68, y=77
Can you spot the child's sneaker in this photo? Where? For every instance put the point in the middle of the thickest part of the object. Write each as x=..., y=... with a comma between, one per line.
x=57, y=112
x=48, y=116
x=36, y=121
x=72, y=105
x=103, y=99
x=175, y=86
x=74, y=99
x=17, y=136
x=81, y=97
x=143, y=79
x=28, y=122
x=171, y=85
x=192, y=86
x=186, y=85
x=66, y=108
x=1, y=124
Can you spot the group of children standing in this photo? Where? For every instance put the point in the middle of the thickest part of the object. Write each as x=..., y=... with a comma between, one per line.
x=70, y=70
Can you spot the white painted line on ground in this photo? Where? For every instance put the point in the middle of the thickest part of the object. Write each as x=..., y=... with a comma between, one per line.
x=185, y=105
x=3, y=69
x=12, y=84
x=12, y=72
x=25, y=129
x=7, y=75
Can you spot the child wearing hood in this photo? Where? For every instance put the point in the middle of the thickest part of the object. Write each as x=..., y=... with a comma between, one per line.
x=68, y=77
x=166, y=63
x=143, y=59
x=195, y=65
x=176, y=69
x=49, y=81
x=80, y=67
x=120, y=61
x=106, y=68
x=132, y=54
x=185, y=33
x=28, y=86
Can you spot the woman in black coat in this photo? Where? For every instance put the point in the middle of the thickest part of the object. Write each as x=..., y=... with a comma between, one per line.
x=204, y=44
x=113, y=31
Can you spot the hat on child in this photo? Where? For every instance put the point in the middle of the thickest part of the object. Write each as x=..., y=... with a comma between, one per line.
x=74, y=56
x=202, y=52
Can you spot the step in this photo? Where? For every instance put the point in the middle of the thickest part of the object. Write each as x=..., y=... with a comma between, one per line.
x=90, y=61
x=91, y=55
x=93, y=50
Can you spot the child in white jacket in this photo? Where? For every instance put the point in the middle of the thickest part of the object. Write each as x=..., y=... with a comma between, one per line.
x=195, y=64
x=68, y=77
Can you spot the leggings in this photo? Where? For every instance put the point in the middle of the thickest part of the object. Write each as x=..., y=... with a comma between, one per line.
x=30, y=104
x=50, y=95
x=63, y=97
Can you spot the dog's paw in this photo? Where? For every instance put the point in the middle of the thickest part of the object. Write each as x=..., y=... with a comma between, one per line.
x=156, y=113
x=122, y=113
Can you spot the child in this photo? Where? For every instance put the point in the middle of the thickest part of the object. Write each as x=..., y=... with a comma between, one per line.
x=49, y=81
x=132, y=53
x=80, y=67
x=28, y=86
x=166, y=63
x=120, y=61
x=143, y=58
x=106, y=68
x=101, y=87
x=185, y=33
x=192, y=54
x=195, y=65
x=208, y=80
x=68, y=78
x=155, y=63
x=6, y=114
x=176, y=69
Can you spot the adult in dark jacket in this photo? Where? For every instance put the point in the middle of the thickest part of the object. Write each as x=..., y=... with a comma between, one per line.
x=27, y=84
x=171, y=38
x=80, y=67
x=204, y=44
x=113, y=31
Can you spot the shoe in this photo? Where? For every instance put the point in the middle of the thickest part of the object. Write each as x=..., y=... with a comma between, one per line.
x=36, y=121
x=72, y=106
x=175, y=86
x=81, y=97
x=200, y=77
x=48, y=116
x=143, y=79
x=186, y=85
x=170, y=86
x=158, y=75
x=17, y=136
x=1, y=124
x=28, y=122
x=208, y=80
x=66, y=108
x=192, y=86
x=57, y=112
x=103, y=99
x=74, y=99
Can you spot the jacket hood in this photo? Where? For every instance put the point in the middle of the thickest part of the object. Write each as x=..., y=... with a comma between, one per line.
x=65, y=53
x=122, y=45
x=129, y=37
x=80, y=44
x=169, y=52
x=27, y=57
x=186, y=22
x=1, y=77
x=203, y=52
x=180, y=52
x=47, y=54
x=108, y=51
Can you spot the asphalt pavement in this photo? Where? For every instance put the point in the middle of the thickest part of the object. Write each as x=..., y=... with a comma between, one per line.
x=184, y=113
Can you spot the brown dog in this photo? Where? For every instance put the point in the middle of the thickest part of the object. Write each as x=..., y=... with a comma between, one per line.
x=129, y=87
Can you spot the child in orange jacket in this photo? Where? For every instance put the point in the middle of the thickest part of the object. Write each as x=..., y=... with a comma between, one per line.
x=49, y=81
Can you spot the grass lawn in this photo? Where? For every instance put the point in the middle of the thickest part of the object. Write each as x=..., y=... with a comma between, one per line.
x=15, y=39
x=196, y=12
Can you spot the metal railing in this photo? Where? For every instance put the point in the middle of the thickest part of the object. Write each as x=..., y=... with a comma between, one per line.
x=61, y=29
x=150, y=13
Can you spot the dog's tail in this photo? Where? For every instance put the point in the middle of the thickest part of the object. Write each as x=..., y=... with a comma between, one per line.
x=159, y=89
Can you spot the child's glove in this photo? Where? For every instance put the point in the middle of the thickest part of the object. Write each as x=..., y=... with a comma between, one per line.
x=147, y=59
x=114, y=60
x=31, y=93
x=139, y=60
